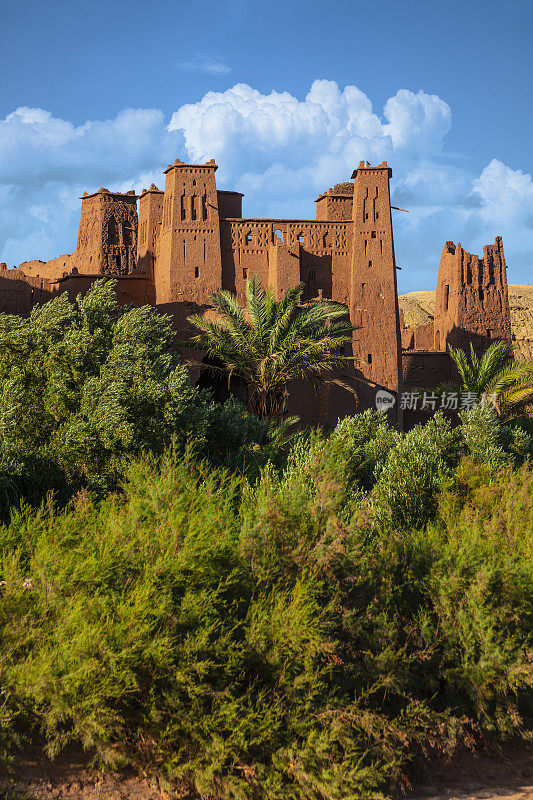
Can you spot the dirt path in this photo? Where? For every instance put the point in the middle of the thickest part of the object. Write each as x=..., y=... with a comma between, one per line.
x=508, y=776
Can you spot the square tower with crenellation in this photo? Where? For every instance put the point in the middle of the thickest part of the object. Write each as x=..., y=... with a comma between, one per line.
x=188, y=259
x=373, y=290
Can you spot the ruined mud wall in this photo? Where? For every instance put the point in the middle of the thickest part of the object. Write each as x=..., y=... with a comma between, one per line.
x=472, y=303
x=107, y=234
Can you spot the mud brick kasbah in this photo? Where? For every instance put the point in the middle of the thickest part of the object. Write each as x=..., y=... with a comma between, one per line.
x=174, y=247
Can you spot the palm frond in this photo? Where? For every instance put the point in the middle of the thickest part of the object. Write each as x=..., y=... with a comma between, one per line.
x=463, y=367
x=255, y=300
x=493, y=360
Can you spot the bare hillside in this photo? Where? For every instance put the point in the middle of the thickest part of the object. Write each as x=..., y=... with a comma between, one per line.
x=419, y=307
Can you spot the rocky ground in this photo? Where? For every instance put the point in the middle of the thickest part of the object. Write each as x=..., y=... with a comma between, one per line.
x=419, y=307
x=507, y=775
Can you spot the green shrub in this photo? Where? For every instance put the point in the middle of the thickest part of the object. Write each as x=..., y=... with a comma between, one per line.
x=263, y=641
x=407, y=486
x=488, y=441
x=85, y=385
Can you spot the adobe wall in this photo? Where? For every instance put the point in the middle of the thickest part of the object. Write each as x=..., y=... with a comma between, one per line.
x=472, y=302
x=135, y=289
x=52, y=270
x=320, y=252
x=229, y=204
x=426, y=369
x=19, y=292
x=421, y=337
x=334, y=207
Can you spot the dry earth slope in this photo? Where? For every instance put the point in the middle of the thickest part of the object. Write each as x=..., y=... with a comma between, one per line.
x=419, y=307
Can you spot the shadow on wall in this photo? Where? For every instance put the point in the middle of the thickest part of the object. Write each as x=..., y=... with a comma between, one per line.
x=460, y=338
x=18, y=293
x=316, y=274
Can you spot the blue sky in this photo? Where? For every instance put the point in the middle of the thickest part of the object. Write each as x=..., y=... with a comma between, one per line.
x=287, y=96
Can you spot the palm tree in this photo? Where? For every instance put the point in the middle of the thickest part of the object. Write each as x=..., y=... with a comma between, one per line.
x=269, y=343
x=498, y=376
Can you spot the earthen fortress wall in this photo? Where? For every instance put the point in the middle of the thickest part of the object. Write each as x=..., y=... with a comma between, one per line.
x=190, y=239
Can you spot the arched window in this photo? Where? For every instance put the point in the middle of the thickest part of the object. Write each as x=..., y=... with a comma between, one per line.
x=248, y=239
x=300, y=237
x=278, y=236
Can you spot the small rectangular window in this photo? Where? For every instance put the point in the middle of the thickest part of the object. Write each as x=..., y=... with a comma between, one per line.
x=245, y=272
x=373, y=235
x=370, y=358
x=196, y=272
x=369, y=263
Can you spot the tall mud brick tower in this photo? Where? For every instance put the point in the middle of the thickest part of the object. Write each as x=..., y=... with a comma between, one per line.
x=150, y=217
x=189, y=264
x=472, y=303
x=107, y=235
x=373, y=293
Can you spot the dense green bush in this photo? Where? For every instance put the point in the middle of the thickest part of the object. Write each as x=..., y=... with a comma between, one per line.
x=247, y=615
x=85, y=386
x=488, y=441
x=280, y=640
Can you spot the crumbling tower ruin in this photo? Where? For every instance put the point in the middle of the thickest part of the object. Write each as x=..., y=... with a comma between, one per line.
x=373, y=292
x=471, y=303
x=107, y=235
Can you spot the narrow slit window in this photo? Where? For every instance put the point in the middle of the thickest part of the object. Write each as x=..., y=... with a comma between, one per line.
x=245, y=272
x=196, y=272
x=369, y=263
x=369, y=358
